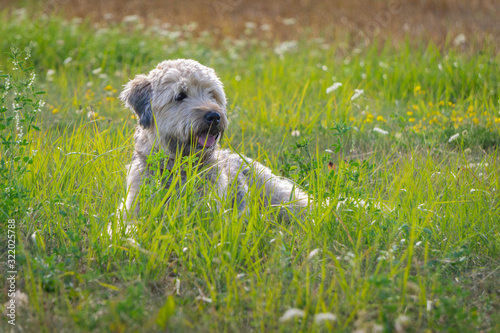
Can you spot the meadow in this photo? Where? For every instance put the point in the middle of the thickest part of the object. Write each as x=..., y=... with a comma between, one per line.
x=411, y=129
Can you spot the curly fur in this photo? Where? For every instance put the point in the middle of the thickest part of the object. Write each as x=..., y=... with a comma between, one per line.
x=172, y=103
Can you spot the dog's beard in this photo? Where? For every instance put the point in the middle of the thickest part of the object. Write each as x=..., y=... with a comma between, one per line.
x=198, y=138
x=202, y=144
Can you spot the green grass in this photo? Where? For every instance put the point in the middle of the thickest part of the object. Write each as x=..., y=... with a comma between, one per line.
x=431, y=263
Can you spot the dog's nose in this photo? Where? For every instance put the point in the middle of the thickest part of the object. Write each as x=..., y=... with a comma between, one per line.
x=213, y=117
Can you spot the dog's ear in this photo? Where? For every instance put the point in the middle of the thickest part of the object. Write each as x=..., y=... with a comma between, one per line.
x=137, y=96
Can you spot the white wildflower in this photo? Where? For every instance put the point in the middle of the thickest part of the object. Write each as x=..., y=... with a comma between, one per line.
x=131, y=18
x=312, y=254
x=20, y=298
x=295, y=133
x=178, y=286
x=250, y=25
x=289, y=21
x=383, y=64
x=291, y=313
x=91, y=115
x=67, y=60
x=97, y=70
x=285, y=47
x=401, y=323
x=357, y=93
x=459, y=40
x=453, y=137
x=381, y=131
x=204, y=299
x=265, y=27
x=132, y=242
x=334, y=87
x=326, y=316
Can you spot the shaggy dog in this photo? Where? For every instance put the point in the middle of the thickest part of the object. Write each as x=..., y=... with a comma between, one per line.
x=181, y=109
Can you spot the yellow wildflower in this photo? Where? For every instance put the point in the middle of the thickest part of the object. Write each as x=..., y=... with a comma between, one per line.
x=497, y=120
x=417, y=89
x=351, y=118
x=108, y=88
x=411, y=120
x=409, y=113
x=54, y=111
x=441, y=103
x=415, y=107
x=431, y=104
x=470, y=109
x=475, y=120
x=381, y=118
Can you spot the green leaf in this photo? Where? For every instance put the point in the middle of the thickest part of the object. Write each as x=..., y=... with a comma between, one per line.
x=40, y=93
x=166, y=312
x=428, y=231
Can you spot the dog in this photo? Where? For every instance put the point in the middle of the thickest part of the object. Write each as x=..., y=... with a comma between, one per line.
x=181, y=109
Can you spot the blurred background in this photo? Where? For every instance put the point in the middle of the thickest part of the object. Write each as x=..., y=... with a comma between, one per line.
x=462, y=23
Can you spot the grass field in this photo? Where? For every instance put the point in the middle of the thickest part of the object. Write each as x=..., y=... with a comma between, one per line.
x=427, y=261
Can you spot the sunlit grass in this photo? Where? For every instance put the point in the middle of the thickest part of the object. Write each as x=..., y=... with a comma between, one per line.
x=428, y=259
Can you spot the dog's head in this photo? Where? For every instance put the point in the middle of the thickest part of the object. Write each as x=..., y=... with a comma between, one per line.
x=183, y=102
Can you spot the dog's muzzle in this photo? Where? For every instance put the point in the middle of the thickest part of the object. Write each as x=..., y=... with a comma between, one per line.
x=213, y=118
x=207, y=139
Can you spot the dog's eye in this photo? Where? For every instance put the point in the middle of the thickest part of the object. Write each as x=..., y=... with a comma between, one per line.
x=181, y=96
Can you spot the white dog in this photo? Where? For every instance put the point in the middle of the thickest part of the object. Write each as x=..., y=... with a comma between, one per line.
x=181, y=109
